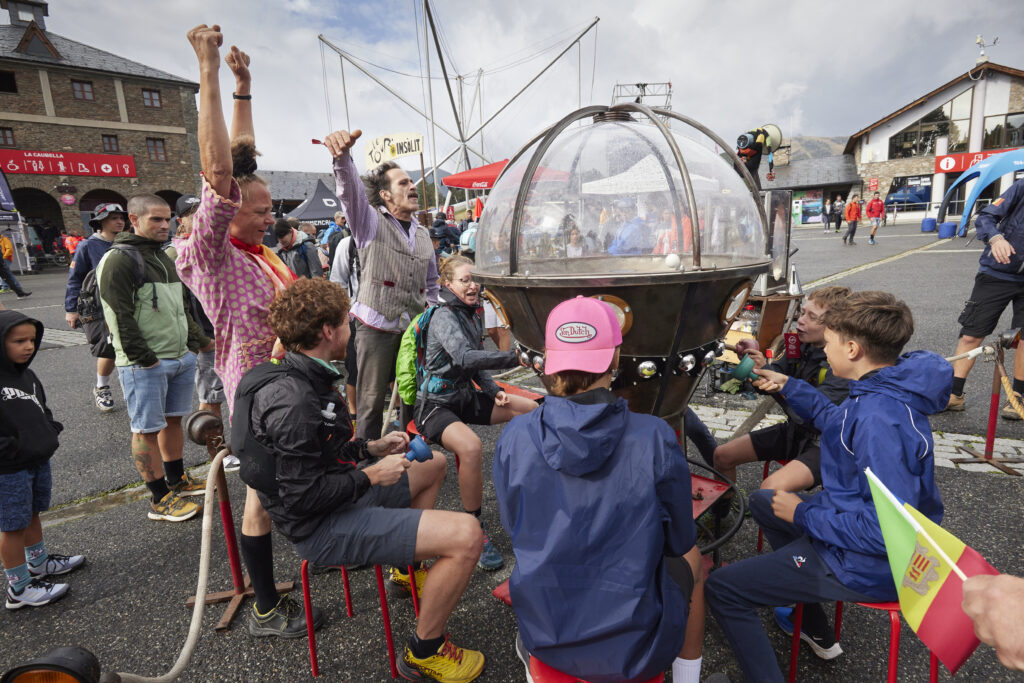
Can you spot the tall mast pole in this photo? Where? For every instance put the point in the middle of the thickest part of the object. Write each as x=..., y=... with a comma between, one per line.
x=430, y=101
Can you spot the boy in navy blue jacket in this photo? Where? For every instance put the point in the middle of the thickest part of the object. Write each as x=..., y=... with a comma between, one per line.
x=28, y=438
x=828, y=546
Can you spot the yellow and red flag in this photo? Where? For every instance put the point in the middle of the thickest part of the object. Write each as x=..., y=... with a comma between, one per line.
x=929, y=566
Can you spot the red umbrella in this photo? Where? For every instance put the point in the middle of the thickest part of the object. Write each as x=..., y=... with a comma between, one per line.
x=480, y=178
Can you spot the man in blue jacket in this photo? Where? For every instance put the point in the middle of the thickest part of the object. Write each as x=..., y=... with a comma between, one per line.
x=108, y=221
x=596, y=500
x=999, y=281
x=829, y=546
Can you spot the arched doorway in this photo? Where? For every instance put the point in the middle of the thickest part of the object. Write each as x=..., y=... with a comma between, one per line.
x=93, y=198
x=169, y=196
x=38, y=209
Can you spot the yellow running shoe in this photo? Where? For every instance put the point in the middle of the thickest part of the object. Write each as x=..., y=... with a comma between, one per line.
x=171, y=508
x=450, y=664
x=398, y=584
x=189, y=486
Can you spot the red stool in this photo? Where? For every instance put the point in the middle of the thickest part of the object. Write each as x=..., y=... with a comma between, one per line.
x=385, y=614
x=764, y=475
x=542, y=673
x=893, y=608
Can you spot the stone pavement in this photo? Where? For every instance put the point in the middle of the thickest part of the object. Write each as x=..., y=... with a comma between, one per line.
x=723, y=422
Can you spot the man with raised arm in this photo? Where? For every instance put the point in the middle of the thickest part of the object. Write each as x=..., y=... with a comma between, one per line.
x=398, y=269
x=235, y=278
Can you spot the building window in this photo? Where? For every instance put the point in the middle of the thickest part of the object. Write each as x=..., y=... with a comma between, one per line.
x=156, y=149
x=8, y=83
x=110, y=143
x=953, y=119
x=82, y=90
x=910, y=193
x=1004, y=131
x=7, y=137
x=151, y=99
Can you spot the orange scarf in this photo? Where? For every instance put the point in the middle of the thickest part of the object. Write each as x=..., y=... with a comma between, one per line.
x=269, y=262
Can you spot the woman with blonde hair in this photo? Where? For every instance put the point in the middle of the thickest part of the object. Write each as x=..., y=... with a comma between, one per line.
x=446, y=399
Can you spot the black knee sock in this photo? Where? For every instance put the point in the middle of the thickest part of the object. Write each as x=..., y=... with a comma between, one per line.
x=958, y=385
x=421, y=649
x=258, y=555
x=158, y=488
x=174, y=471
x=1018, y=385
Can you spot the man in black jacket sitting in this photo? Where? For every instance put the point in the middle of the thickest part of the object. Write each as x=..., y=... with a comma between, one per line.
x=337, y=513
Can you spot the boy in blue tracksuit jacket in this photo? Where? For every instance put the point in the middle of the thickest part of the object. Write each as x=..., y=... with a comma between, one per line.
x=829, y=546
x=597, y=502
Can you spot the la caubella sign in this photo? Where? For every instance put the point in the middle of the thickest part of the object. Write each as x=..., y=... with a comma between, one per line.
x=388, y=147
x=67, y=163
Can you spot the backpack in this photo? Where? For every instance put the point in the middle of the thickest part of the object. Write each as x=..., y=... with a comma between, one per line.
x=89, y=306
x=467, y=240
x=410, y=369
x=354, y=267
x=258, y=462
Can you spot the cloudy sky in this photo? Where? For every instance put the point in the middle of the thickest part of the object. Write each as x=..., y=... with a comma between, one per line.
x=814, y=67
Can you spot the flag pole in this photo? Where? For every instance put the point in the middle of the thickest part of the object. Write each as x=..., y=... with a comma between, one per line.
x=914, y=523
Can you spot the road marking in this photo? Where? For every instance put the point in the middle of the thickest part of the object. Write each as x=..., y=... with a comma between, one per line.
x=35, y=308
x=867, y=266
x=53, y=338
x=957, y=251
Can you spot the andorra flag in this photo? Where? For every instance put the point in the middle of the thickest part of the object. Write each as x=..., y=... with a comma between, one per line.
x=929, y=566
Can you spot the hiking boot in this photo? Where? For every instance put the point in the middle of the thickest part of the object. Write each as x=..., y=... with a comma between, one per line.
x=956, y=403
x=230, y=463
x=188, y=486
x=450, y=664
x=1008, y=413
x=56, y=565
x=490, y=558
x=171, y=508
x=286, y=620
x=23, y=294
x=399, y=585
x=824, y=645
x=104, y=399
x=37, y=593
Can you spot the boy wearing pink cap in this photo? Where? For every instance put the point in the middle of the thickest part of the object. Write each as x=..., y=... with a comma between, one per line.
x=596, y=500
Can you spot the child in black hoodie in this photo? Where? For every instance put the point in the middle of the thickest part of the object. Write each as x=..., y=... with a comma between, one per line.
x=28, y=438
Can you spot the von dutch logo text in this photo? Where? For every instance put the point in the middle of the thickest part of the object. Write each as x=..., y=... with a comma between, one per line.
x=575, y=333
x=10, y=394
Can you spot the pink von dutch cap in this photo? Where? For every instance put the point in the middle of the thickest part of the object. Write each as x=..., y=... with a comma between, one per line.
x=581, y=334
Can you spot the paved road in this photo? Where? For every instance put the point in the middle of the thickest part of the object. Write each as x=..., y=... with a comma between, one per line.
x=127, y=605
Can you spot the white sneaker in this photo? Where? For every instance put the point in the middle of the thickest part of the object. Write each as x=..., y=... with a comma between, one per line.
x=231, y=463
x=56, y=565
x=37, y=593
x=104, y=399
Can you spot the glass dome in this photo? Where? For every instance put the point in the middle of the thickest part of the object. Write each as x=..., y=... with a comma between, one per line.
x=609, y=197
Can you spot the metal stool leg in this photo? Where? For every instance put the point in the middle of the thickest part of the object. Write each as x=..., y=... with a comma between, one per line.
x=894, y=644
x=794, y=650
x=387, y=620
x=933, y=668
x=760, y=533
x=415, y=593
x=348, y=592
x=839, y=618
x=310, y=629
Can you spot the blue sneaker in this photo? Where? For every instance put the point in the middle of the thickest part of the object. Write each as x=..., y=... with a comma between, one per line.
x=825, y=646
x=490, y=558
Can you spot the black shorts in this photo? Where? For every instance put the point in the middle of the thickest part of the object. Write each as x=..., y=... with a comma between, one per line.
x=433, y=418
x=96, y=335
x=679, y=571
x=350, y=355
x=785, y=441
x=988, y=301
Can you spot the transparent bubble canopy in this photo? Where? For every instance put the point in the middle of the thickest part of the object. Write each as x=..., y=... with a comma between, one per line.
x=609, y=196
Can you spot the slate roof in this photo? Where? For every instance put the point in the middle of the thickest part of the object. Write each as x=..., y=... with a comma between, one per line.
x=80, y=56
x=811, y=173
x=294, y=186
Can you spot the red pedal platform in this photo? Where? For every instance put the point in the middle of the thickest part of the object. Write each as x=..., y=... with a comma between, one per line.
x=518, y=391
x=705, y=492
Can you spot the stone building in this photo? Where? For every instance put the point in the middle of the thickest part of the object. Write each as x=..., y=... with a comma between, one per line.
x=912, y=155
x=80, y=126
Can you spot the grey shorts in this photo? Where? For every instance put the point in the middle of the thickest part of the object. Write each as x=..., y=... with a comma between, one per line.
x=380, y=528
x=209, y=388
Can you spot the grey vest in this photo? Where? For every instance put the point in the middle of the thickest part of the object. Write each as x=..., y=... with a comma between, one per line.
x=393, y=278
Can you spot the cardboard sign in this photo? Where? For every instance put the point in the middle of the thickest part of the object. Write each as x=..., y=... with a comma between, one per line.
x=388, y=147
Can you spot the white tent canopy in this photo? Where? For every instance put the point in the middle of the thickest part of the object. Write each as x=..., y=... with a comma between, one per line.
x=646, y=175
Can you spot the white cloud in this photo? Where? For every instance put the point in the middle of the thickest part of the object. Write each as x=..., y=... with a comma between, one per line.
x=816, y=68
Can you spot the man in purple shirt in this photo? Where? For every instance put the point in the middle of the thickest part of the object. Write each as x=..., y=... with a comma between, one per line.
x=398, y=270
